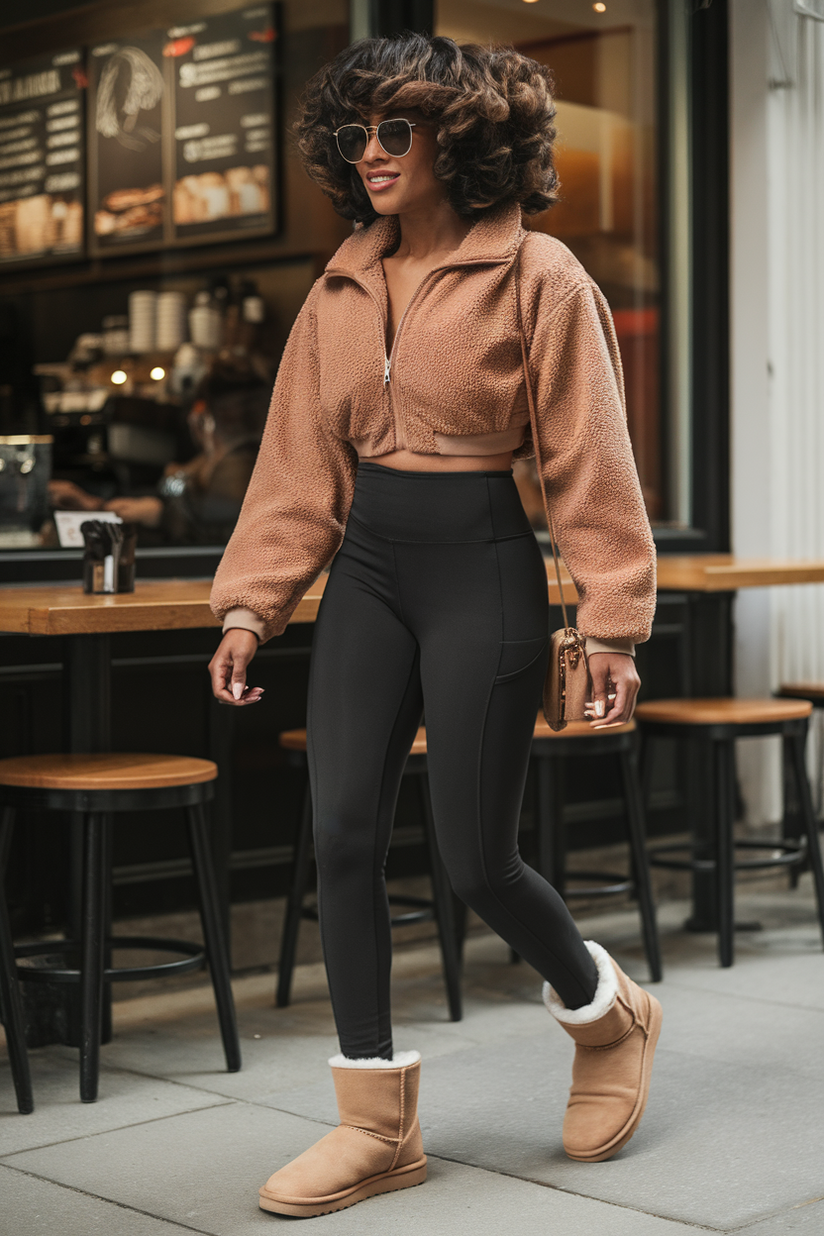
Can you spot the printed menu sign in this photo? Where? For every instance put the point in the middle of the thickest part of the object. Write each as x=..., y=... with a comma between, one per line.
x=42, y=158
x=128, y=99
x=181, y=133
x=224, y=119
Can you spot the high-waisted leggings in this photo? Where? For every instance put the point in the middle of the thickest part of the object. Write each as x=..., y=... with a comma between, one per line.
x=436, y=604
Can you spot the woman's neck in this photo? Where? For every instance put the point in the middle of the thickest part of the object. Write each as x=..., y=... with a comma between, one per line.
x=429, y=231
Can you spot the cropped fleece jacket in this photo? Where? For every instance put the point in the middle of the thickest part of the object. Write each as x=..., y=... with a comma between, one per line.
x=455, y=369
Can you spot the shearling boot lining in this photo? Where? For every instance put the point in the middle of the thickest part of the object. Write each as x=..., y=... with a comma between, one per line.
x=605, y=992
x=400, y=1060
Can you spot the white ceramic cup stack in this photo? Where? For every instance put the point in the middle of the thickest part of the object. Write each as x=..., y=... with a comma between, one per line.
x=205, y=323
x=142, y=321
x=171, y=321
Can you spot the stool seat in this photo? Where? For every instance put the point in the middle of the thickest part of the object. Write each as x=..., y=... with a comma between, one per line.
x=295, y=740
x=812, y=691
x=111, y=771
x=579, y=729
x=725, y=711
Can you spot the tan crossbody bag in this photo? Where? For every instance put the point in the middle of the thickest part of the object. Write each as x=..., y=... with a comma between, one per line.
x=568, y=683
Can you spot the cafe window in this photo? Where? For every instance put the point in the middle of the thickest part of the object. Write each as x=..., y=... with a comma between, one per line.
x=138, y=350
x=605, y=62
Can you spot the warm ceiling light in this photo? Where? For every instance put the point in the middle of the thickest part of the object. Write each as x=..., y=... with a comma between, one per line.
x=119, y=377
x=158, y=373
x=529, y=1
x=600, y=8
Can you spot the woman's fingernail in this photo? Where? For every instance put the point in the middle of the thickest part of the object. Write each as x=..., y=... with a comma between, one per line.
x=237, y=689
x=599, y=708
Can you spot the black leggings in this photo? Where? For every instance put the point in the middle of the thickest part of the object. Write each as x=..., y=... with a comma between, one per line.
x=438, y=599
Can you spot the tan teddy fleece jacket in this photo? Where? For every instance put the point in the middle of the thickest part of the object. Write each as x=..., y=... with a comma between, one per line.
x=455, y=369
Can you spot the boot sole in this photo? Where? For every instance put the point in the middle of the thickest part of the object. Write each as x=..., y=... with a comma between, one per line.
x=387, y=1182
x=613, y=1146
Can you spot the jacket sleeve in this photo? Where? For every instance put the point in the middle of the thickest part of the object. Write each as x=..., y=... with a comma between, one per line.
x=589, y=472
x=294, y=514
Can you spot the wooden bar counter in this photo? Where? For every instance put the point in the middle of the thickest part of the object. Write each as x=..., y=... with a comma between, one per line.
x=166, y=605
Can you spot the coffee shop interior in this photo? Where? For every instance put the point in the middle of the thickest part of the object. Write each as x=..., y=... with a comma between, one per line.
x=157, y=239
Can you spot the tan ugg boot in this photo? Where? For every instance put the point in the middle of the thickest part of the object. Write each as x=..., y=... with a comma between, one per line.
x=376, y=1148
x=615, y=1040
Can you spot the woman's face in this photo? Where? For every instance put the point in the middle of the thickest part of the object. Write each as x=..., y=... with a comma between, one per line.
x=398, y=186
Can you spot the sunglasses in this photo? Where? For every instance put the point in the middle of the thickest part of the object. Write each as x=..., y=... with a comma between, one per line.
x=394, y=138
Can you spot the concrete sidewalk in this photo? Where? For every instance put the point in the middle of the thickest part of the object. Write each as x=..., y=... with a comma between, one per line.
x=732, y=1139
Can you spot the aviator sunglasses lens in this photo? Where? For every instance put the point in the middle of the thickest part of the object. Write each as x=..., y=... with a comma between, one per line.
x=394, y=137
x=352, y=142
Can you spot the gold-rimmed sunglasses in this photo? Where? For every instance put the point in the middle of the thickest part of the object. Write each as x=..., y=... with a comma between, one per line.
x=394, y=138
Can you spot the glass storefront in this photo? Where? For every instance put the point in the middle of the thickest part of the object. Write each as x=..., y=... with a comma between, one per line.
x=603, y=59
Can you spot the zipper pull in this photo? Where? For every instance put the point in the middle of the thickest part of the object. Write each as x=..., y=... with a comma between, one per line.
x=386, y=370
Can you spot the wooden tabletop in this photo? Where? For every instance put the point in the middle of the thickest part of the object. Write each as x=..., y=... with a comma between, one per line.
x=179, y=604
x=726, y=573
x=155, y=605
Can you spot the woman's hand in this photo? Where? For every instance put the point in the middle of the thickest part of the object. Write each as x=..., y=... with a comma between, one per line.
x=228, y=668
x=615, y=685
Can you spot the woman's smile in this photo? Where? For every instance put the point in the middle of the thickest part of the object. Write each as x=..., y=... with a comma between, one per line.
x=381, y=180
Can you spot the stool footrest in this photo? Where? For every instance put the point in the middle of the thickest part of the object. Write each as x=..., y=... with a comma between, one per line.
x=424, y=911
x=613, y=883
x=194, y=959
x=792, y=853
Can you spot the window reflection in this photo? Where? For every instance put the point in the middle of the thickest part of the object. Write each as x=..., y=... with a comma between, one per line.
x=179, y=473
x=605, y=71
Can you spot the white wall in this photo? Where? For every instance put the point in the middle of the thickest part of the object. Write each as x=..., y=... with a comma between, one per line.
x=777, y=352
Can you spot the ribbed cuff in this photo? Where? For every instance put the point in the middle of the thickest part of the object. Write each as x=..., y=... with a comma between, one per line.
x=244, y=620
x=610, y=645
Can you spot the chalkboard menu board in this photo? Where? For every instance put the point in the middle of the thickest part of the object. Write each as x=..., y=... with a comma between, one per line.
x=128, y=99
x=224, y=119
x=182, y=125
x=42, y=158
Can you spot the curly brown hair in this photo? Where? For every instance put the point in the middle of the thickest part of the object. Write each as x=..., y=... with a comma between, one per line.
x=493, y=107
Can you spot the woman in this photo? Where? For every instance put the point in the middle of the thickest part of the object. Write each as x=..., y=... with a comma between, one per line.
x=399, y=406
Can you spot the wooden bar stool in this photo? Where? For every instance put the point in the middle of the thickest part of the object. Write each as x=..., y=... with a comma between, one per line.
x=98, y=787
x=423, y=909
x=714, y=725
x=549, y=750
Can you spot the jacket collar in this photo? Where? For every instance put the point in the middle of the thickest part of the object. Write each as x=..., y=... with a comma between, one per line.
x=495, y=238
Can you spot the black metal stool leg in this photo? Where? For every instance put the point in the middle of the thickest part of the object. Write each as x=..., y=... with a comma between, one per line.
x=92, y=948
x=724, y=848
x=11, y=1005
x=107, y=851
x=294, y=906
x=6, y=830
x=442, y=896
x=793, y=826
x=810, y=822
x=216, y=950
x=640, y=862
x=459, y=916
